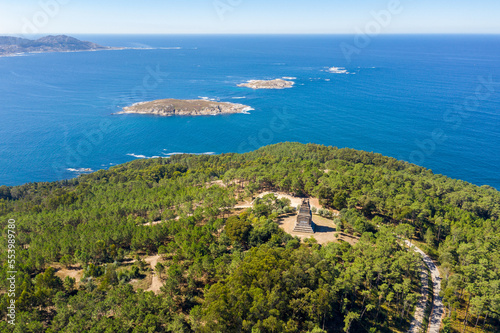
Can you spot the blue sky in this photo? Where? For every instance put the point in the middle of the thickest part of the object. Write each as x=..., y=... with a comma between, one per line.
x=247, y=16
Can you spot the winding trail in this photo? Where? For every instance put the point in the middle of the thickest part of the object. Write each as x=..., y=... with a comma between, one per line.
x=416, y=324
x=437, y=304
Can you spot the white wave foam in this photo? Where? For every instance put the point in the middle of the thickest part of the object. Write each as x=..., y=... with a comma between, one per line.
x=247, y=109
x=337, y=70
x=208, y=98
x=239, y=97
x=170, y=154
x=140, y=46
x=289, y=78
x=142, y=156
x=178, y=153
x=80, y=170
x=137, y=156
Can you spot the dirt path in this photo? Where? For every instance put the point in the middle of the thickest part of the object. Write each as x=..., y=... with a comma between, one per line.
x=244, y=204
x=155, y=282
x=416, y=324
x=294, y=201
x=437, y=305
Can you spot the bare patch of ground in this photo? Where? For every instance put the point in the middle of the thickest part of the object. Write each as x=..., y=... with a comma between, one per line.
x=62, y=272
x=142, y=283
x=348, y=238
x=315, y=203
x=156, y=282
x=247, y=203
x=294, y=201
x=153, y=223
x=215, y=182
x=325, y=230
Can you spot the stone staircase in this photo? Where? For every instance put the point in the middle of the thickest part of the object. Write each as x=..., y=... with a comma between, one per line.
x=304, y=228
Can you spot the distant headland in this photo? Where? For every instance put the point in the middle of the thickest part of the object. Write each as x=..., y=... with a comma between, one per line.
x=178, y=107
x=10, y=46
x=268, y=84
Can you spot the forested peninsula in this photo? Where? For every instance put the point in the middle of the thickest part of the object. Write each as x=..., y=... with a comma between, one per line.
x=197, y=243
x=60, y=43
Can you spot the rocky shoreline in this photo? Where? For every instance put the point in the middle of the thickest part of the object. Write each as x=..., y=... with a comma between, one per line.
x=177, y=107
x=268, y=84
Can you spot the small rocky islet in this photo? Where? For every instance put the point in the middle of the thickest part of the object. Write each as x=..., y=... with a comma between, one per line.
x=201, y=107
x=268, y=84
x=178, y=107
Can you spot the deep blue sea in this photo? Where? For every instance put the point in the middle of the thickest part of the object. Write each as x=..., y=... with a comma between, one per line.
x=433, y=100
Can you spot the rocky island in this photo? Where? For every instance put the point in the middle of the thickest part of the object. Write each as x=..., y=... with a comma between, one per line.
x=268, y=84
x=177, y=107
x=14, y=45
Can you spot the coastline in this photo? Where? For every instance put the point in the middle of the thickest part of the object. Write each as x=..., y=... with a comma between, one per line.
x=21, y=54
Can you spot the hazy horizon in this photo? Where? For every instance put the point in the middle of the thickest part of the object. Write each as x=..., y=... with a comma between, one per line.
x=237, y=34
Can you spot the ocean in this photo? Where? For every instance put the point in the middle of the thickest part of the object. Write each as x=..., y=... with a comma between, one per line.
x=433, y=100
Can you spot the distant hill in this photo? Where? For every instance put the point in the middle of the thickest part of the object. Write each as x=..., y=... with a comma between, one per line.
x=60, y=43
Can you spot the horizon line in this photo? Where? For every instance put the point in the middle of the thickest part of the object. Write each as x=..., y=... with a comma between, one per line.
x=249, y=34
